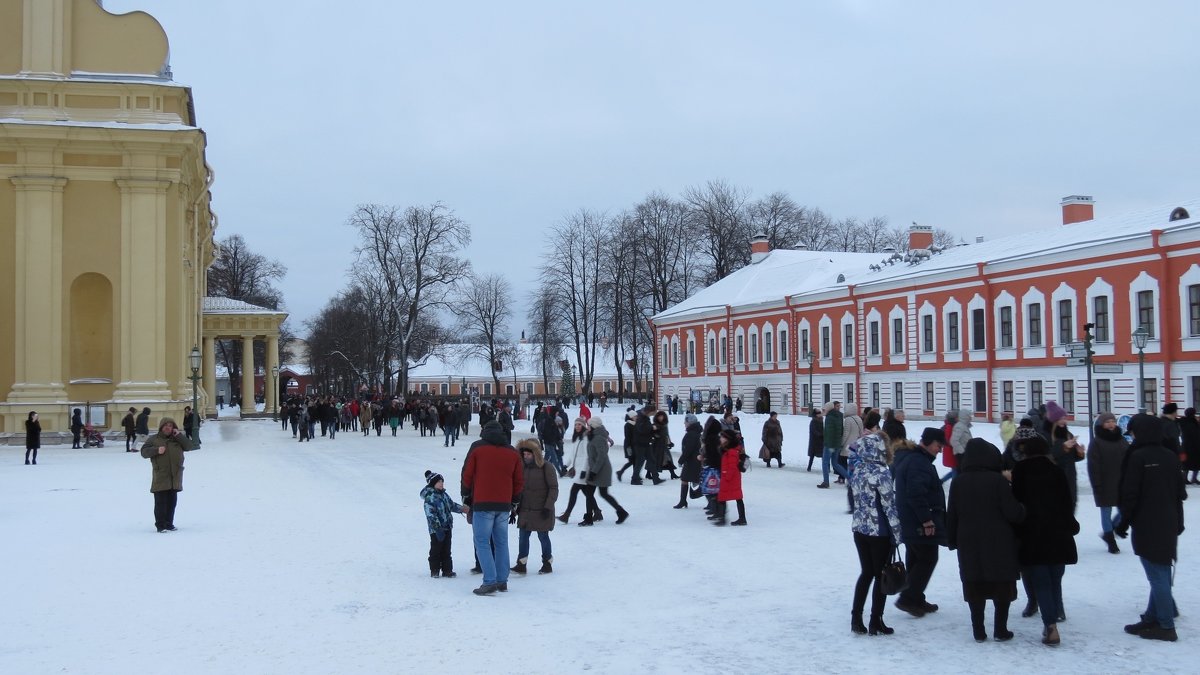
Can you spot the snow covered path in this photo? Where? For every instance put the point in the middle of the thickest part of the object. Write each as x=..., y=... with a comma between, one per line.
x=310, y=558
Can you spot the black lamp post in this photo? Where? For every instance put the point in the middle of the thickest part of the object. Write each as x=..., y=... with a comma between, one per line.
x=1140, y=337
x=811, y=359
x=195, y=361
x=278, y=397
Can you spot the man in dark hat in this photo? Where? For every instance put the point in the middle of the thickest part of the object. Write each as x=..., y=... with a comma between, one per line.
x=1170, y=428
x=921, y=503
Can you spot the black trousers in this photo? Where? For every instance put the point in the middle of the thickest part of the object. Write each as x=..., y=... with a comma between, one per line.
x=576, y=488
x=164, y=508
x=873, y=554
x=589, y=492
x=921, y=558
x=439, y=553
x=75, y=439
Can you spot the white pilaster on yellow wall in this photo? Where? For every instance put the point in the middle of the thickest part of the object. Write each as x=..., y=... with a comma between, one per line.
x=39, y=341
x=46, y=44
x=143, y=290
x=247, y=374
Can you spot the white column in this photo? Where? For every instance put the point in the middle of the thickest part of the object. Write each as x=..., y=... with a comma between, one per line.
x=270, y=376
x=210, y=376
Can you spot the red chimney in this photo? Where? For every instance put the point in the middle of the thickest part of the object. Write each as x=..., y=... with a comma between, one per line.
x=760, y=246
x=1077, y=209
x=920, y=236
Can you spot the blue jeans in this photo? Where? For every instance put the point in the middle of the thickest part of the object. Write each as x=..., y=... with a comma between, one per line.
x=523, y=544
x=830, y=456
x=449, y=433
x=553, y=452
x=1107, y=522
x=1046, y=581
x=490, y=528
x=1161, y=607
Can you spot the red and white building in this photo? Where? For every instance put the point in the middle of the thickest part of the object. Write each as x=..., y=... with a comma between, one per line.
x=983, y=326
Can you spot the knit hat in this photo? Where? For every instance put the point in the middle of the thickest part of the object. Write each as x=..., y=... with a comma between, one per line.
x=432, y=478
x=689, y=419
x=1054, y=412
x=595, y=422
x=631, y=415
x=932, y=434
x=1170, y=409
x=581, y=420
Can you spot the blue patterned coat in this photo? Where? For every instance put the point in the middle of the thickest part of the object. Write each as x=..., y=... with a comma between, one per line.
x=873, y=489
x=439, y=511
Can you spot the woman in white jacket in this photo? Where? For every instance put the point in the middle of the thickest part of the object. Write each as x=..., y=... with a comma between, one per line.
x=577, y=468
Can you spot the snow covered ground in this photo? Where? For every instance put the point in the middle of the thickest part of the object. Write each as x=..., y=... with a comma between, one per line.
x=310, y=558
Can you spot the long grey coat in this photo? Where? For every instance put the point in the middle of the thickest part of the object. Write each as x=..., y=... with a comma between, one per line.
x=599, y=468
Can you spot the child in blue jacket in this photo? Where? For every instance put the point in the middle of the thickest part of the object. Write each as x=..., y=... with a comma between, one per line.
x=439, y=512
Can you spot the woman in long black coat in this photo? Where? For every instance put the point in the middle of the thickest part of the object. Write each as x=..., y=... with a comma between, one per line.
x=710, y=456
x=979, y=520
x=816, y=436
x=689, y=458
x=661, y=444
x=33, y=436
x=1189, y=430
x=1047, y=535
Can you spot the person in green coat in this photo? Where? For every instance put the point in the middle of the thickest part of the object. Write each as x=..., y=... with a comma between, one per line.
x=165, y=451
x=833, y=442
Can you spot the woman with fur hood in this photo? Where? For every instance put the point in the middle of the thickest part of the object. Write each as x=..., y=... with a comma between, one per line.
x=536, y=510
x=876, y=523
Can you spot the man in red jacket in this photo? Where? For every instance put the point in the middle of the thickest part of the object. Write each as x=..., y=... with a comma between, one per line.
x=492, y=482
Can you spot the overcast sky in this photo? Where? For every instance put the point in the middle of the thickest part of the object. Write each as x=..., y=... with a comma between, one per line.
x=972, y=116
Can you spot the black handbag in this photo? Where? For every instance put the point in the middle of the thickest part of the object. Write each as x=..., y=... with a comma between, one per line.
x=893, y=578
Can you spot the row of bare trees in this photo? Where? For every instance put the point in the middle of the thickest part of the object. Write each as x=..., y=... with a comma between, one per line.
x=606, y=275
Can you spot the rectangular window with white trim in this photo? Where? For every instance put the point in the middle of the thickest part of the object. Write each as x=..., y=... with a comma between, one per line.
x=1100, y=317
x=1006, y=327
x=1066, y=322
x=897, y=336
x=1145, y=311
x=1034, y=312
x=952, y=332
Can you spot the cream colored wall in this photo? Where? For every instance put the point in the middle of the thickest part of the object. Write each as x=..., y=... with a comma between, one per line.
x=10, y=36
x=100, y=41
x=8, y=213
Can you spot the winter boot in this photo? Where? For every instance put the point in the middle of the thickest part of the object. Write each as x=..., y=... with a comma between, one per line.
x=856, y=625
x=878, y=627
x=546, y=568
x=519, y=568
x=1050, y=635
x=1000, y=629
x=564, y=518
x=1111, y=539
x=622, y=516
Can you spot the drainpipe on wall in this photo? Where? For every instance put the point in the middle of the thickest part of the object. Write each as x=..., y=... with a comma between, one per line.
x=729, y=351
x=792, y=357
x=859, y=361
x=1166, y=321
x=990, y=338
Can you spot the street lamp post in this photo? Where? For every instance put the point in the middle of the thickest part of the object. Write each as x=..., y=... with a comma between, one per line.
x=811, y=359
x=195, y=361
x=1140, y=337
x=278, y=397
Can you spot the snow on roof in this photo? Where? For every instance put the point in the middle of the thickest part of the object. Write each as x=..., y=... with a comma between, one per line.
x=219, y=305
x=469, y=361
x=147, y=126
x=785, y=273
x=782, y=272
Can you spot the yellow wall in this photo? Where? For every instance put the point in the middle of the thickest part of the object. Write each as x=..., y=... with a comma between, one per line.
x=10, y=36
x=100, y=41
x=7, y=280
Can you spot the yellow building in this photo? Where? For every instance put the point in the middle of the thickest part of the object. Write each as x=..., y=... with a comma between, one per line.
x=105, y=228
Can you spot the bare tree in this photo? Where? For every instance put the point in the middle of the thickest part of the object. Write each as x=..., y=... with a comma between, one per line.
x=778, y=217
x=412, y=259
x=484, y=311
x=572, y=273
x=874, y=235
x=717, y=210
x=545, y=331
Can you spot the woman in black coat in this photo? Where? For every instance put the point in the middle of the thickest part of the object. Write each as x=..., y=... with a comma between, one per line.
x=77, y=428
x=661, y=445
x=1047, y=535
x=816, y=436
x=627, y=444
x=33, y=436
x=710, y=456
x=1189, y=430
x=142, y=423
x=689, y=459
x=979, y=521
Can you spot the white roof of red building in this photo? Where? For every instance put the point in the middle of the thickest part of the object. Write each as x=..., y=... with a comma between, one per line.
x=788, y=273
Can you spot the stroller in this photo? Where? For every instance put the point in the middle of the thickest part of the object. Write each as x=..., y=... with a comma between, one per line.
x=92, y=438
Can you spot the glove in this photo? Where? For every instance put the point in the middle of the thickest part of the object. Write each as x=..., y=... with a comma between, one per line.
x=547, y=513
x=512, y=517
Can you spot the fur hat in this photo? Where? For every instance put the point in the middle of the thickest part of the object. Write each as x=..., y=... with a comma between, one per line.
x=931, y=434
x=432, y=478
x=1054, y=412
x=595, y=422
